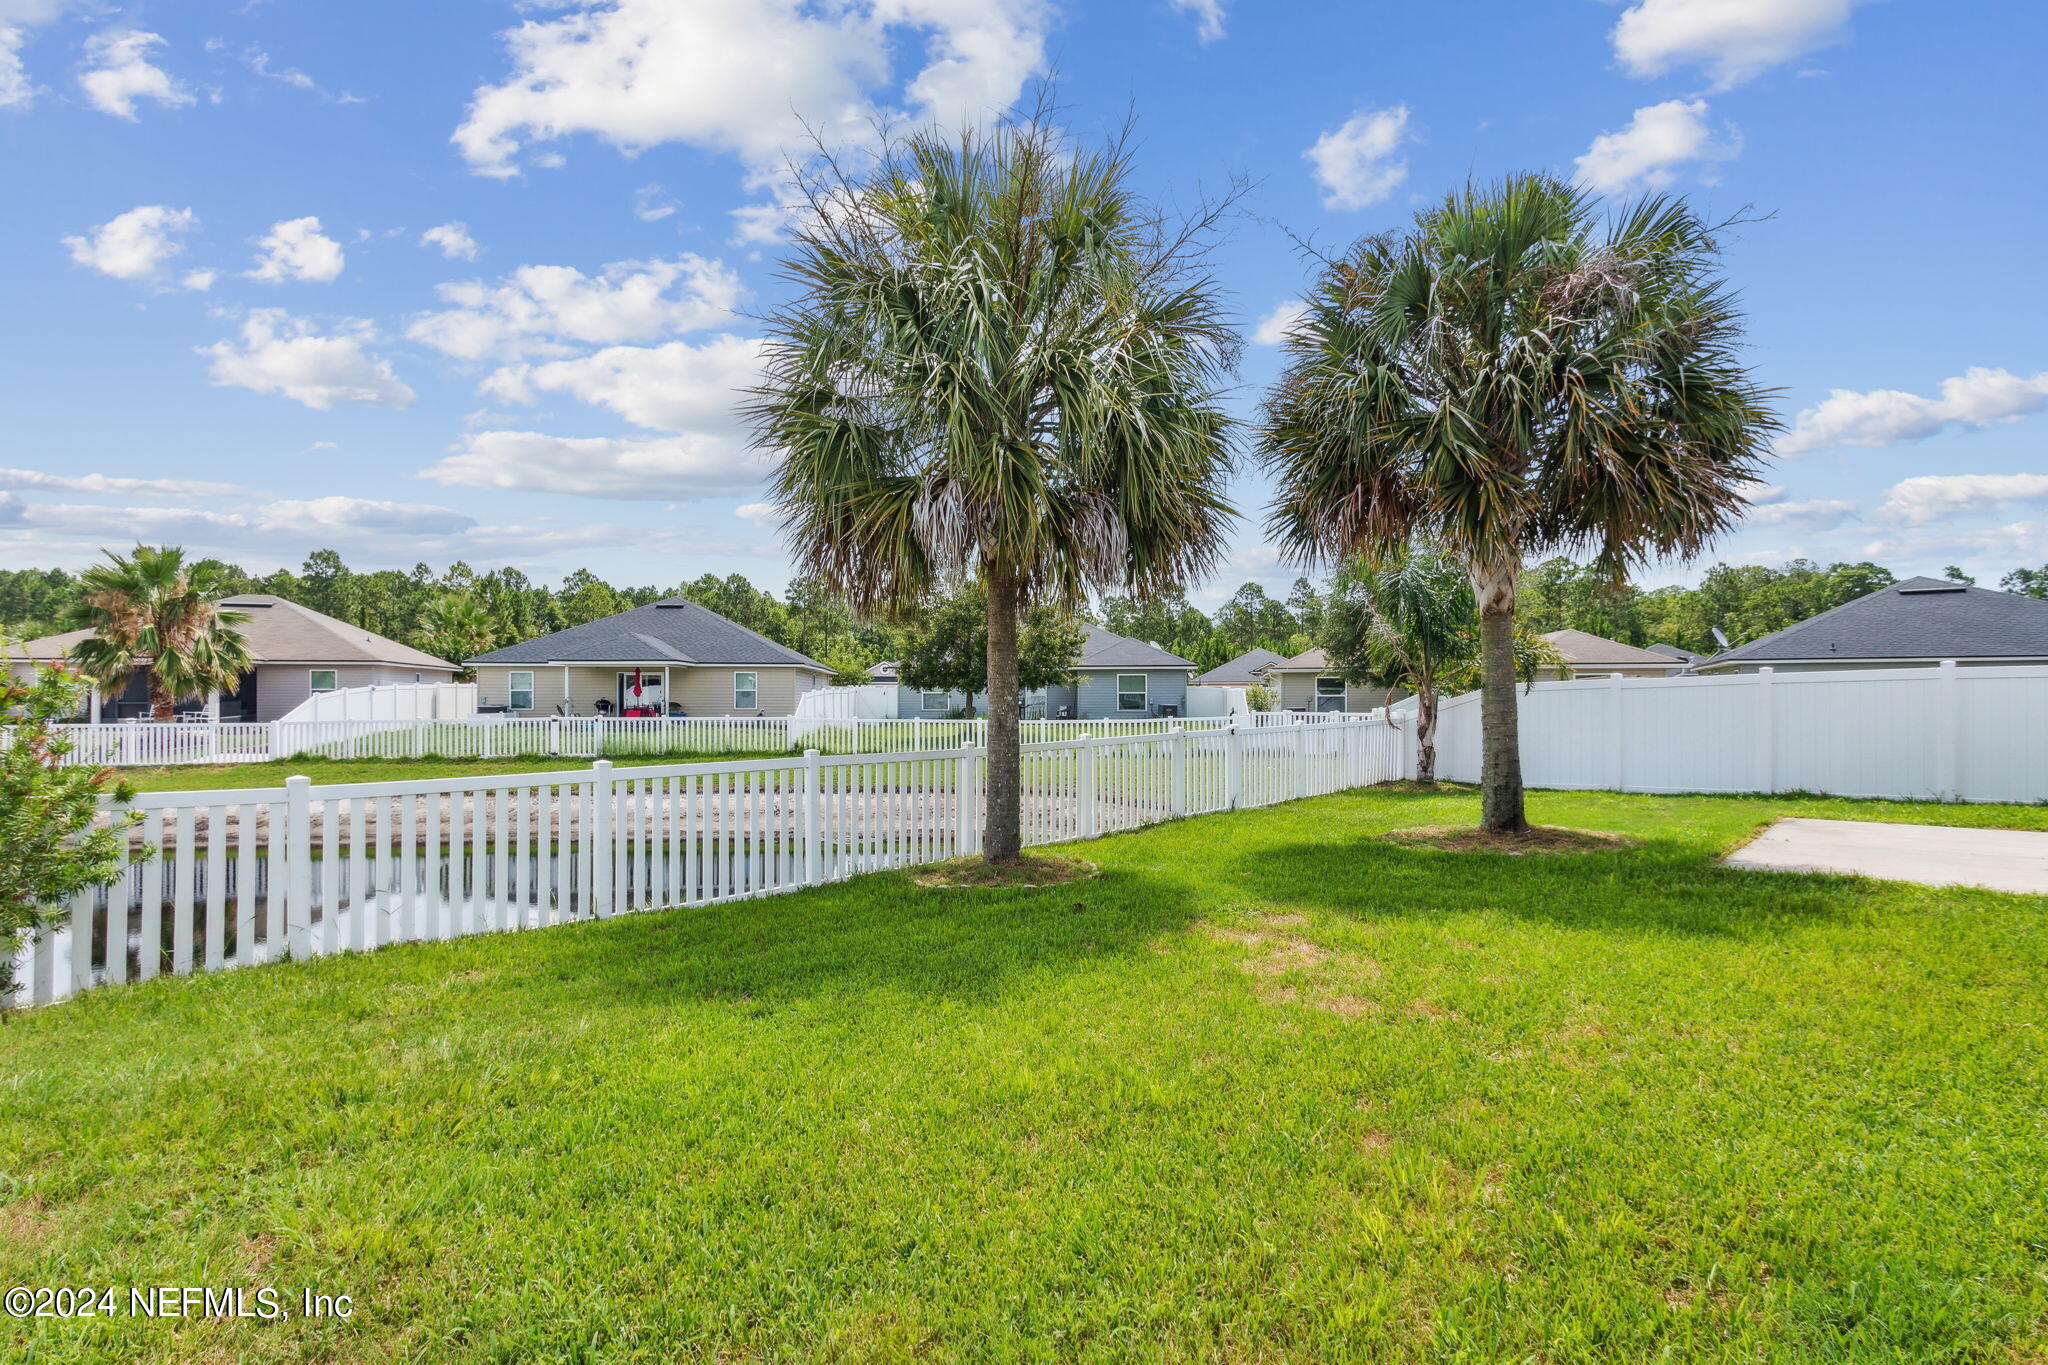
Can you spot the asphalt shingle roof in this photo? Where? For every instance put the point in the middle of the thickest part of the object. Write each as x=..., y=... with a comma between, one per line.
x=1243, y=671
x=1107, y=649
x=1315, y=660
x=1684, y=656
x=1921, y=618
x=1583, y=649
x=673, y=630
x=282, y=632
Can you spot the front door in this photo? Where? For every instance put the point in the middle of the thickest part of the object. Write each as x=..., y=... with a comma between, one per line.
x=648, y=699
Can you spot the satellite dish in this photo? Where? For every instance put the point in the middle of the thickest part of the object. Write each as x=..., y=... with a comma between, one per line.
x=1719, y=638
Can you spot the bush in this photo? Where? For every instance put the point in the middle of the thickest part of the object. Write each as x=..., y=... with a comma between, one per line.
x=50, y=848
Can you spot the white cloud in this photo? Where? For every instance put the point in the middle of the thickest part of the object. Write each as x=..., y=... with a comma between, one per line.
x=296, y=249
x=667, y=468
x=1819, y=514
x=1978, y=397
x=199, y=280
x=1273, y=328
x=672, y=387
x=133, y=245
x=1355, y=164
x=120, y=73
x=108, y=483
x=1935, y=497
x=651, y=204
x=1732, y=40
x=746, y=77
x=1994, y=547
x=1659, y=140
x=453, y=239
x=760, y=513
x=282, y=354
x=539, y=309
x=1208, y=17
x=17, y=91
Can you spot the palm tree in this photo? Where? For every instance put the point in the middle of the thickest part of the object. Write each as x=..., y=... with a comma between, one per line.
x=1514, y=378
x=1001, y=367
x=456, y=625
x=152, y=610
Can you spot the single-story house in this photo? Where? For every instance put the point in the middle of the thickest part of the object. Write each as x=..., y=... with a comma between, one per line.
x=1243, y=671
x=1596, y=656
x=1914, y=624
x=1685, y=658
x=1116, y=677
x=297, y=652
x=672, y=657
x=1307, y=682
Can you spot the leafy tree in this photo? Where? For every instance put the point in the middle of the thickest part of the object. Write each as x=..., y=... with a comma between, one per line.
x=1515, y=380
x=51, y=846
x=1305, y=605
x=1252, y=620
x=1404, y=618
x=948, y=651
x=2027, y=582
x=153, y=611
x=999, y=365
x=585, y=597
x=1954, y=574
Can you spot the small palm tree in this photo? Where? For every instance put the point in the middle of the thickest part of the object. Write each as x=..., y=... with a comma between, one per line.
x=151, y=610
x=1511, y=378
x=456, y=625
x=1404, y=619
x=1000, y=367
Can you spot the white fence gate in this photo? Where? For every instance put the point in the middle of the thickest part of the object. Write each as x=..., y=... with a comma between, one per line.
x=1946, y=733
x=220, y=879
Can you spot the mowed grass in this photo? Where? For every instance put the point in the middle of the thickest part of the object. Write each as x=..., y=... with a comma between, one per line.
x=1267, y=1090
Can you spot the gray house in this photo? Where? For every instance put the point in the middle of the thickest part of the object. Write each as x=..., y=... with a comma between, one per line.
x=1116, y=678
x=1307, y=682
x=672, y=657
x=297, y=652
x=1914, y=624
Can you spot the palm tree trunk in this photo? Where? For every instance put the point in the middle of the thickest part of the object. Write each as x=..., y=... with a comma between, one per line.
x=1002, y=836
x=1500, y=768
x=161, y=703
x=1425, y=733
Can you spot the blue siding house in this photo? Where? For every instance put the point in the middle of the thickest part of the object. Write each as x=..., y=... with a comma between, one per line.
x=1116, y=678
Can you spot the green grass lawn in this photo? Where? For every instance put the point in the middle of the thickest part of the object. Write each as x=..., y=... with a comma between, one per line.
x=1267, y=1090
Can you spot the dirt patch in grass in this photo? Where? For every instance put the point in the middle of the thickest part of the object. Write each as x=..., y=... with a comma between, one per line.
x=1535, y=839
x=1409, y=786
x=1031, y=870
x=27, y=1223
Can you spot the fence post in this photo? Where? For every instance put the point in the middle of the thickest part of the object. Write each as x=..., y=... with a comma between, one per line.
x=601, y=838
x=1301, y=782
x=1084, y=787
x=969, y=840
x=1180, y=770
x=415, y=737
x=298, y=866
x=814, y=821
x=1614, y=729
x=1767, y=729
x=1233, y=768
x=1948, y=739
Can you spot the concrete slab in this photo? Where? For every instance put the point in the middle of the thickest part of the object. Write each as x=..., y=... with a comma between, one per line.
x=1933, y=855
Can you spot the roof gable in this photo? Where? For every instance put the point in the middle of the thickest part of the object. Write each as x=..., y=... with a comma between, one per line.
x=1243, y=671
x=1920, y=618
x=673, y=630
x=1106, y=649
x=1583, y=649
x=281, y=631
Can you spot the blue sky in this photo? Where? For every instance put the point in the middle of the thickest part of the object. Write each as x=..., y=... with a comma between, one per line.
x=473, y=279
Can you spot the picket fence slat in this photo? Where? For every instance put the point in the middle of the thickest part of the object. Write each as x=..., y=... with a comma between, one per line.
x=217, y=879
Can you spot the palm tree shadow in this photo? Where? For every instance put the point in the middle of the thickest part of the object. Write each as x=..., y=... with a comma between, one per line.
x=1659, y=888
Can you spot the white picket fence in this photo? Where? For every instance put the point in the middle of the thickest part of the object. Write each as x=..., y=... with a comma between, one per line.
x=144, y=744
x=1950, y=733
x=221, y=879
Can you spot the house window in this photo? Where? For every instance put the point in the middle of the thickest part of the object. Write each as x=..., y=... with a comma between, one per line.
x=931, y=701
x=1329, y=694
x=1130, y=692
x=519, y=693
x=746, y=691
x=323, y=680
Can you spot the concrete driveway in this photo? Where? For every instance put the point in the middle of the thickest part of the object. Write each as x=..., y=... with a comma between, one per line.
x=1933, y=855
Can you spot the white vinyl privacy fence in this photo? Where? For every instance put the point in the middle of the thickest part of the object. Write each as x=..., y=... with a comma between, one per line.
x=1946, y=733
x=228, y=878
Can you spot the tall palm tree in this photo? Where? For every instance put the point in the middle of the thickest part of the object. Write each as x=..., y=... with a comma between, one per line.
x=153, y=611
x=1517, y=378
x=1000, y=366
x=456, y=625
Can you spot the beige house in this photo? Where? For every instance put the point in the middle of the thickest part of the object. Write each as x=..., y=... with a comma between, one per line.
x=297, y=651
x=1306, y=682
x=668, y=658
x=1596, y=656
